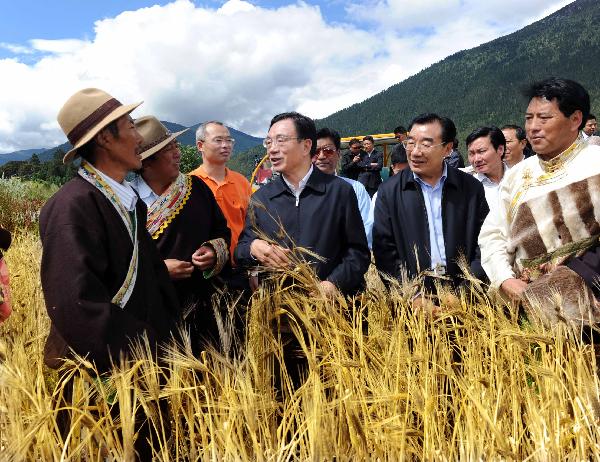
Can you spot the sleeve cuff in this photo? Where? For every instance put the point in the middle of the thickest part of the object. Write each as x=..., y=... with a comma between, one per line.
x=222, y=253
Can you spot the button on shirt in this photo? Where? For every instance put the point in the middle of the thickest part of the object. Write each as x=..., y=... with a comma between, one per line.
x=432, y=196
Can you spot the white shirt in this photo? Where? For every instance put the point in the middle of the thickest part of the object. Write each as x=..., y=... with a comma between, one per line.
x=491, y=189
x=145, y=192
x=301, y=184
x=124, y=191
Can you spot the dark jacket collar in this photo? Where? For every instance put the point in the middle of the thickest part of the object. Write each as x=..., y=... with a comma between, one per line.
x=316, y=181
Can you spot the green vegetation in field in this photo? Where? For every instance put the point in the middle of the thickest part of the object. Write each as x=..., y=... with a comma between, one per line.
x=52, y=171
x=21, y=201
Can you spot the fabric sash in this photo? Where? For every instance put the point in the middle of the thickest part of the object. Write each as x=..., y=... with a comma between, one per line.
x=164, y=209
x=90, y=174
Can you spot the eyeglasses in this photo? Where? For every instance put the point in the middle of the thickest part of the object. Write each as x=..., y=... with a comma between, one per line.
x=220, y=141
x=425, y=146
x=326, y=150
x=268, y=142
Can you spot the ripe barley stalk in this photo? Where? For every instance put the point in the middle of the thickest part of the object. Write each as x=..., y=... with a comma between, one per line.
x=478, y=383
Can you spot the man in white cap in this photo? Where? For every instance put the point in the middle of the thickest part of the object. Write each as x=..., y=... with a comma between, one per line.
x=186, y=224
x=104, y=282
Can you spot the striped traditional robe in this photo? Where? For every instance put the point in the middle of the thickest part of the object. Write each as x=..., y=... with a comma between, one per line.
x=548, y=212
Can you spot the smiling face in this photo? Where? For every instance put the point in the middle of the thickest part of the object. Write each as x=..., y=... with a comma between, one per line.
x=367, y=145
x=485, y=158
x=549, y=131
x=327, y=156
x=164, y=165
x=426, y=159
x=288, y=154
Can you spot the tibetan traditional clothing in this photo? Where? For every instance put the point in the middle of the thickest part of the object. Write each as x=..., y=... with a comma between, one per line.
x=103, y=280
x=184, y=218
x=546, y=231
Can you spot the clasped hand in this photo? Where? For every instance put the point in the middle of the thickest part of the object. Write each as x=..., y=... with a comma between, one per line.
x=203, y=258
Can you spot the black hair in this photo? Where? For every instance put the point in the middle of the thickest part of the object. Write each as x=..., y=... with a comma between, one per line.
x=448, y=127
x=329, y=133
x=399, y=129
x=569, y=95
x=590, y=117
x=370, y=138
x=353, y=141
x=494, y=133
x=519, y=131
x=88, y=150
x=397, y=158
x=305, y=127
x=455, y=143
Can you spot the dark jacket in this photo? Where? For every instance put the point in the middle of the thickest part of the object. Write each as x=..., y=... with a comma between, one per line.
x=327, y=221
x=401, y=224
x=454, y=159
x=348, y=168
x=370, y=176
x=86, y=254
x=199, y=220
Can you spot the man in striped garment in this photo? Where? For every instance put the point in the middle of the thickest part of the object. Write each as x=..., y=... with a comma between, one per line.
x=541, y=244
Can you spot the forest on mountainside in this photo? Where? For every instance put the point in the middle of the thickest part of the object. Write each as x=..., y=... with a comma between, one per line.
x=483, y=86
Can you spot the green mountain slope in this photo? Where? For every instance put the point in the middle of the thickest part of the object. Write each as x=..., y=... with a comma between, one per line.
x=483, y=85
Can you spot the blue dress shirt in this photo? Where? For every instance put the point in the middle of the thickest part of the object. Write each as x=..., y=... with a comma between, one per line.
x=364, y=205
x=433, y=204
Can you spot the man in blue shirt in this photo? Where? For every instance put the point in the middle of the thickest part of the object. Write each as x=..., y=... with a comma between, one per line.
x=326, y=159
x=427, y=216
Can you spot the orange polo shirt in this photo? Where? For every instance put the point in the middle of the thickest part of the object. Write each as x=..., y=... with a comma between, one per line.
x=233, y=196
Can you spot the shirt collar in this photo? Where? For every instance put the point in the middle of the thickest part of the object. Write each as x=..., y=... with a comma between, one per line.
x=145, y=191
x=301, y=184
x=483, y=178
x=202, y=174
x=440, y=182
x=124, y=191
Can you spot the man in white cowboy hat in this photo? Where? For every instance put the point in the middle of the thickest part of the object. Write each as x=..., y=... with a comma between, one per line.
x=186, y=224
x=103, y=280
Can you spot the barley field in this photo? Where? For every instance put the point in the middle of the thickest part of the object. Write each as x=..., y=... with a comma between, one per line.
x=478, y=383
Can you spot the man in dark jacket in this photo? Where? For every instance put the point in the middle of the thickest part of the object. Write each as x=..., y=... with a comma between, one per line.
x=350, y=163
x=104, y=282
x=317, y=211
x=370, y=166
x=431, y=208
x=187, y=226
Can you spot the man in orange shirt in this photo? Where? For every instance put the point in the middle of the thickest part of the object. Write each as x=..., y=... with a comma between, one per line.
x=231, y=189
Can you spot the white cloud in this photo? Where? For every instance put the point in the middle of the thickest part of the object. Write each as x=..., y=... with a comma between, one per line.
x=242, y=63
x=16, y=49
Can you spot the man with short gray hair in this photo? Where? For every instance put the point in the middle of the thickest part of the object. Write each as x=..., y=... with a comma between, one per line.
x=231, y=189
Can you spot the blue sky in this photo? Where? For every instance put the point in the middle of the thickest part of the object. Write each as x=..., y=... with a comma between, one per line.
x=61, y=19
x=239, y=61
